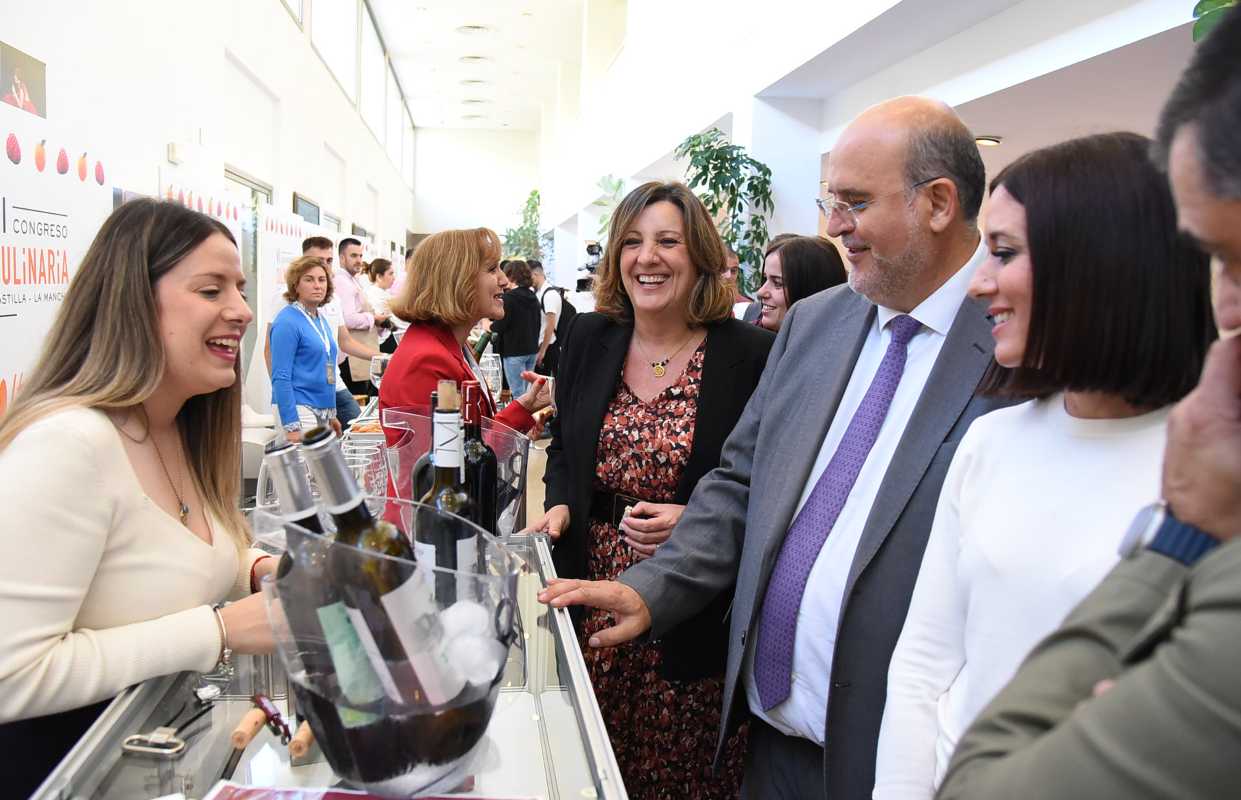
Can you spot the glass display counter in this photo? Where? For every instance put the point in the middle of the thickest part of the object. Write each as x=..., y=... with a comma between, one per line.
x=546, y=738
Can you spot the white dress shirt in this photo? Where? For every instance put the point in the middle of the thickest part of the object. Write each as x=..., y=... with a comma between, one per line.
x=804, y=713
x=1028, y=522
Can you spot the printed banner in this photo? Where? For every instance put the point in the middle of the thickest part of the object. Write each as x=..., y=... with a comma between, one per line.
x=54, y=195
x=215, y=201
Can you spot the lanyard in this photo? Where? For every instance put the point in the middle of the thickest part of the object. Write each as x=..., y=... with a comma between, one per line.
x=324, y=336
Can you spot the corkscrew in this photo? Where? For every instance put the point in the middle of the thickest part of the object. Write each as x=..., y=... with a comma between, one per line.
x=166, y=741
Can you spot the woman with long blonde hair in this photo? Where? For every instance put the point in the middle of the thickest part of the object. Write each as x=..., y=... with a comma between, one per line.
x=119, y=480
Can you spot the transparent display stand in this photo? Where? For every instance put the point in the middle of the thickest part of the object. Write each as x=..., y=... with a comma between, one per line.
x=545, y=737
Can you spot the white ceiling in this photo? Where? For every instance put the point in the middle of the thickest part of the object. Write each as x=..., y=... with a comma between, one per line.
x=525, y=43
x=1123, y=89
x=906, y=28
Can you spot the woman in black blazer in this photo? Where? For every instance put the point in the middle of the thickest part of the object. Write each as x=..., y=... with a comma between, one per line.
x=648, y=389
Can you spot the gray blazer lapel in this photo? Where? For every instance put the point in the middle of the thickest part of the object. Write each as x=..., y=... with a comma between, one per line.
x=966, y=354
x=833, y=340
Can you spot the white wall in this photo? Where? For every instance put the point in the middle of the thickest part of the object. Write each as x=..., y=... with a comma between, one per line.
x=473, y=178
x=235, y=83
x=683, y=65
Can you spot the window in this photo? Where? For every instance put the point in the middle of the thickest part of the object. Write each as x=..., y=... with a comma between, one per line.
x=259, y=192
x=306, y=209
x=330, y=222
x=371, y=88
x=396, y=112
x=334, y=33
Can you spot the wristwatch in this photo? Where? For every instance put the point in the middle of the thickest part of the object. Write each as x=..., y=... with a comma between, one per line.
x=1156, y=528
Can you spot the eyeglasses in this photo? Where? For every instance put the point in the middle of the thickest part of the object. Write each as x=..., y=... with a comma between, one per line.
x=849, y=211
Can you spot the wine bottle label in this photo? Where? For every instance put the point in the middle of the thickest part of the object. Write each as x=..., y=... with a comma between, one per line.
x=371, y=649
x=447, y=439
x=353, y=718
x=424, y=554
x=358, y=681
x=413, y=613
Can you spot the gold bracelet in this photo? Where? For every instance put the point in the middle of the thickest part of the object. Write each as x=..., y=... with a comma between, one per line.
x=225, y=661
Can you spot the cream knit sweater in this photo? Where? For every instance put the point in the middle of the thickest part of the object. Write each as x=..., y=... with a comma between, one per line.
x=99, y=588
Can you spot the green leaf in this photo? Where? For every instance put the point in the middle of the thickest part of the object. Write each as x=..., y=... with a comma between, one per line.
x=1207, y=22
x=1204, y=7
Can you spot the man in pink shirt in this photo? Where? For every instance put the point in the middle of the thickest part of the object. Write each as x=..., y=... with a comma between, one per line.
x=357, y=311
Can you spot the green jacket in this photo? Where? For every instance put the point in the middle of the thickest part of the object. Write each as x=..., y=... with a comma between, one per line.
x=1170, y=727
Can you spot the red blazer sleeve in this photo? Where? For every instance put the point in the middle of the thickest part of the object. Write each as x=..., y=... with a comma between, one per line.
x=428, y=354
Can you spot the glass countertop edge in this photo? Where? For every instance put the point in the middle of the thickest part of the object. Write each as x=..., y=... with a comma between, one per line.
x=590, y=720
x=126, y=708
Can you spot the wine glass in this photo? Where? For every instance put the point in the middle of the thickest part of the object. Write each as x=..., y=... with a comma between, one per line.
x=379, y=365
x=491, y=368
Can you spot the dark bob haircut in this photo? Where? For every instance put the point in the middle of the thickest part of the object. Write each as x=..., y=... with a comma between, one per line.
x=809, y=264
x=1120, y=301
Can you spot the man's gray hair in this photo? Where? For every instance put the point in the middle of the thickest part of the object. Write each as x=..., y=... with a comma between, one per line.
x=948, y=151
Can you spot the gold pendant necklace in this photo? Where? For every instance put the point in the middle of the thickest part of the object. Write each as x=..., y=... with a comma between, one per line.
x=183, y=510
x=660, y=367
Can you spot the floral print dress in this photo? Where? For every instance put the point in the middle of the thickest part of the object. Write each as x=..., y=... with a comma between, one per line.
x=663, y=733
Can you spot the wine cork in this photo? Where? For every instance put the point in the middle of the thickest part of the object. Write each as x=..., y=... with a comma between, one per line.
x=446, y=396
x=248, y=728
x=302, y=741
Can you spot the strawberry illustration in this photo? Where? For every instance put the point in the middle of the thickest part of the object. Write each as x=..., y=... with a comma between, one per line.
x=200, y=205
x=82, y=167
x=13, y=148
x=99, y=172
x=62, y=162
x=181, y=197
x=40, y=155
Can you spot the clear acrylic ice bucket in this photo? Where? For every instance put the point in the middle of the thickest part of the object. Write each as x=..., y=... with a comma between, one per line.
x=512, y=451
x=398, y=682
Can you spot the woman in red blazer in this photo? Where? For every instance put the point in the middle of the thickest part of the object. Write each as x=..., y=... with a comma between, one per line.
x=454, y=280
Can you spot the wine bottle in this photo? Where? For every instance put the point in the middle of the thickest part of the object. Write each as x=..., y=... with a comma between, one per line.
x=448, y=494
x=384, y=600
x=481, y=467
x=302, y=582
x=481, y=345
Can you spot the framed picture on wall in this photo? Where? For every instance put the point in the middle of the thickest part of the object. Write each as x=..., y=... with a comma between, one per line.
x=306, y=208
x=23, y=80
x=358, y=230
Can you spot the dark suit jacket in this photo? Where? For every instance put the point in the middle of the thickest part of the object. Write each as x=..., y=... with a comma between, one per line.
x=1170, y=727
x=737, y=519
x=588, y=377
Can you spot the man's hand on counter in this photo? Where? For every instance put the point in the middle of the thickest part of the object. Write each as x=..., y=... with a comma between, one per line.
x=633, y=618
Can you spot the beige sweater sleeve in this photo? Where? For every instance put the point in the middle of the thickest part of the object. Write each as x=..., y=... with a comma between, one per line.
x=60, y=507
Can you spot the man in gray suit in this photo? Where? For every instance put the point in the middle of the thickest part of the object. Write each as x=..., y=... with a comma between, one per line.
x=1138, y=694
x=819, y=512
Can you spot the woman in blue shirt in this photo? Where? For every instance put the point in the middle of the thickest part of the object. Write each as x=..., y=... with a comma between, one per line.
x=303, y=350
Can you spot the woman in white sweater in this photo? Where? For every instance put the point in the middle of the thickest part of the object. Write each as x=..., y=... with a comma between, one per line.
x=1102, y=317
x=118, y=476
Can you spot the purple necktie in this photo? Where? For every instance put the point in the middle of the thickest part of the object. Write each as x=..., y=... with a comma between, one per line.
x=773, y=661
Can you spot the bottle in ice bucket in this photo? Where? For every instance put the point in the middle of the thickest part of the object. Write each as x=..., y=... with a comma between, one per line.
x=307, y=573
x=481, y=467
x=395, y=718
x=448, y=494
